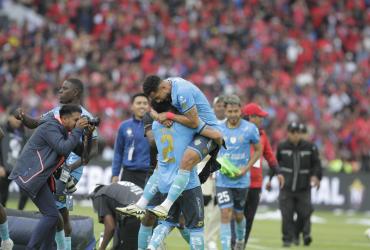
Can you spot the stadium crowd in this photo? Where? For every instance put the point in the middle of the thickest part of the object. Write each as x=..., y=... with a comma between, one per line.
x=301, y=60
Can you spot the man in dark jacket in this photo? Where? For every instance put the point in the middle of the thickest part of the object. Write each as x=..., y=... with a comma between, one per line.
x=42, y=155
x=300, y=164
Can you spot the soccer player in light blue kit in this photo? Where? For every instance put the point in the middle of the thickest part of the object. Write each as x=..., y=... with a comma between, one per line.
x=231, y=192
x=196, y=113
x=171, y=143
x=71, y=92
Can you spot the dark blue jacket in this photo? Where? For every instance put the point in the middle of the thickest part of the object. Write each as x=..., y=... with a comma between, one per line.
x=131, y=134
x=41, y=155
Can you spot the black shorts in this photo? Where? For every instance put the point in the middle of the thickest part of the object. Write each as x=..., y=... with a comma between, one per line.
x=105, y=205
x=231, y=197
x=191, y=205
x=157, y=200
x=202, y=145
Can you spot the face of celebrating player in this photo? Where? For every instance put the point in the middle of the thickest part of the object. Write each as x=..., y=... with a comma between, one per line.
x=67, y=93
x=163, y=92
x=233, y=114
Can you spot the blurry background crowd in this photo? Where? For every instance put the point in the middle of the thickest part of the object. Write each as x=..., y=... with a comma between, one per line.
x=303, y=60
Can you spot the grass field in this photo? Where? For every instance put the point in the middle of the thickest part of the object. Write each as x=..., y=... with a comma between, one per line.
x=330, y=231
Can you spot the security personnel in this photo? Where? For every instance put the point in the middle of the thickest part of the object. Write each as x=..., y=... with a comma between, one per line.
x=300, y=164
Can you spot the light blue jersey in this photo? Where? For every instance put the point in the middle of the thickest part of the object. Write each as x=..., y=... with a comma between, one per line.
x=238, y=141
x=72, y=157
x=171, y=144
x=186, y=95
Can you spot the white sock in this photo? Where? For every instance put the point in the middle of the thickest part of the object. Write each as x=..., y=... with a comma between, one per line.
x=167, y=204
x=142, y=202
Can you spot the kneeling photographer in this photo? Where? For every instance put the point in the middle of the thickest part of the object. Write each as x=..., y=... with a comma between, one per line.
x=43, y=154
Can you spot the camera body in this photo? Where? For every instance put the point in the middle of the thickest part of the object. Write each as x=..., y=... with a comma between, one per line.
x=95, y=121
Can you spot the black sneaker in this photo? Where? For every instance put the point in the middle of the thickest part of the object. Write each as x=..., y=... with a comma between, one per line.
x=307, y=240
x=287, y=244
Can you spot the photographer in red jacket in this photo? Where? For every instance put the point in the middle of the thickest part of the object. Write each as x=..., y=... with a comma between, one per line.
x=255, y=114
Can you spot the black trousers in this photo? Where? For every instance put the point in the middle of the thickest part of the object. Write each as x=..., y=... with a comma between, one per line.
x=291, y=202
x=4, y=193
x=134, y=176
x=250, y=209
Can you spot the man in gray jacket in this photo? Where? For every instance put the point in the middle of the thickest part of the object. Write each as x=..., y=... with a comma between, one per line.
x=42, y=155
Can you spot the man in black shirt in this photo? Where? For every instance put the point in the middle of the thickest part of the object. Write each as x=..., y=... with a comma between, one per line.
x=105, y=200
x=301, y=167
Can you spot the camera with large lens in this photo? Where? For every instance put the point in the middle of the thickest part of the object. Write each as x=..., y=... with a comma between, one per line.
x=94, y=121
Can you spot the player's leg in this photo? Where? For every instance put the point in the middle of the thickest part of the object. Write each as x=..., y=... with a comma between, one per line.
x=150, y=190
x=225, y=203
x=60, y=235
x=192, y=207
x=6, y=242
x=196, y=151
x=239, y=195
x=147, y=223
x=165, y=226
x=250, y=208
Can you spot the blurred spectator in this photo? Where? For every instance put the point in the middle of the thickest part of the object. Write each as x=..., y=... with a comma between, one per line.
x=302, y=60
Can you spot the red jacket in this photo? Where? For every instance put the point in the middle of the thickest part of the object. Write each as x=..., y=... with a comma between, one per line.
x=256, y=170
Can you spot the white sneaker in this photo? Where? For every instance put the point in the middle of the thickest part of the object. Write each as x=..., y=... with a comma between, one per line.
x=160, y=212
x=212, y=245
x=132, y=210
x=7, y=244
x=239, y=245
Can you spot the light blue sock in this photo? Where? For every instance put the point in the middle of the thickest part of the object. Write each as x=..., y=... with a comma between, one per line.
x=151, y=187
x=179, y=184
x=225, y=236
x=196, y=240
x=59, y=239
x=145, y=233
x=240, y=230
x=185, y=233
x=4, y=231
x=68, y=243
x=160, y=232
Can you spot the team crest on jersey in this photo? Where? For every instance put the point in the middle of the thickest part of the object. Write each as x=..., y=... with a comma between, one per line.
x=233, y=140
x=129, y=132
x=182, y=102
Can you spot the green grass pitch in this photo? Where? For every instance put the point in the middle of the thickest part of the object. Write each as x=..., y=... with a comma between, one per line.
x=343, y=231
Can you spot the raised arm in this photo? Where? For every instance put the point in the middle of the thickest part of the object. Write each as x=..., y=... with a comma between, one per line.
x=27, y=121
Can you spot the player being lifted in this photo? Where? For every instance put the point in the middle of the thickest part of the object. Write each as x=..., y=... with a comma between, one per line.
x=196, y=113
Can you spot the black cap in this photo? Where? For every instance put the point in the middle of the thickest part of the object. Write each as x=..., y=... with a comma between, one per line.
x=293, y=127
x=302, y=128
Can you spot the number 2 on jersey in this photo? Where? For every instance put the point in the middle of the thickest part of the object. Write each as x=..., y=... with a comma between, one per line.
x=166, y=138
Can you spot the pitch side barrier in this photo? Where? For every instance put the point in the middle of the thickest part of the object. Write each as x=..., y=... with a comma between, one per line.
x=337, y=191
x=22, y=223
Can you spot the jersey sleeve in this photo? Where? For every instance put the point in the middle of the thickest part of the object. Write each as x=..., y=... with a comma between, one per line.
x=185, y=100
x=254, y=135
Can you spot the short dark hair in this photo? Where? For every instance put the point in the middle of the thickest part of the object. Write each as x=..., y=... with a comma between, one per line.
x=77, y=84
x=151, y=84
x=232, y=100
x=164, y=106
x=69, y=109
x=137, y=95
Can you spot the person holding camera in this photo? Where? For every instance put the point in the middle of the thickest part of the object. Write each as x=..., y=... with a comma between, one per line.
x=132, y=149
x=301, y=168
x=51, y=143
x=71, y=92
